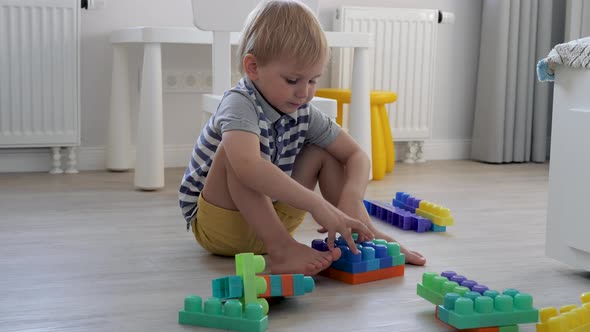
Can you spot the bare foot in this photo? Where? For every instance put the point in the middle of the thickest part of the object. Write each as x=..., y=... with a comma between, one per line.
x=412, y=257
x=299, y=258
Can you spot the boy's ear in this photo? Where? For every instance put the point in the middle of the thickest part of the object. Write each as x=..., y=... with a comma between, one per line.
x=250, y=66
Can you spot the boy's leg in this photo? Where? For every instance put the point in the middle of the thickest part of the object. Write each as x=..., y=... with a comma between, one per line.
x=315, y=164
x=225, y=190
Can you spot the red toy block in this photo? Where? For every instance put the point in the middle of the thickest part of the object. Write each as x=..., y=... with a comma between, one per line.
x=360, y=278
x=287, y=284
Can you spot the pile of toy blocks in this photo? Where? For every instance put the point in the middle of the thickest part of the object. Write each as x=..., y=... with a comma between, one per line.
x=569, y=318
x=410, y=213
x=468, y=306
x=376, y=260
x=238, y=302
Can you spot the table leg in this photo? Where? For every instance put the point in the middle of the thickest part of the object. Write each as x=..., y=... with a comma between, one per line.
x=149, y=163
x=360, y=103
x=120, y=113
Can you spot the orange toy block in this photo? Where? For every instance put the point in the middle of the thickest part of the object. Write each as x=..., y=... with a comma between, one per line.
x=287, y=284
x=361, y=278
x=266, y=293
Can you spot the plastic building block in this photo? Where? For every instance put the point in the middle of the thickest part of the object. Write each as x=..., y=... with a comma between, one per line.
x=228, y=316
x=361, y=278
x=434, y=287
x=510, y=328
x=569, y=318
x=247, y=265
x=398, y=217
x=231, y=287
x=374, y=255
x=378, y=259
x=406, y=201
x=473, y=310
x=437, y=228
x=439, y=215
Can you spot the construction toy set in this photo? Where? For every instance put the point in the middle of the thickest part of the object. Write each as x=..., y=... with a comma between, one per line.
x=238, y=302
x=376, y=260
x=410, y=213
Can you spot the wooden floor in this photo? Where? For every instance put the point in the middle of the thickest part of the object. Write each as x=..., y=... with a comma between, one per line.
x=87, y=252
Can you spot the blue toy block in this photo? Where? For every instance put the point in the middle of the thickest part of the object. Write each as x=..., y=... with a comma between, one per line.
x=298, y=285
x=398, y=217
x=230, y=287
x=437, y=228
x=374, y=255
x=406, y=201
x=373, y=264
x=385, y=262
x=276, y=285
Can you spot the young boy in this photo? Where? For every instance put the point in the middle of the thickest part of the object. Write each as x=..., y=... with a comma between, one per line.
x=254, y=167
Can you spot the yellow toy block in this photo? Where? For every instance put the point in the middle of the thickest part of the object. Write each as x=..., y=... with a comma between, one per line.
x=570, y=318
x=439, y=215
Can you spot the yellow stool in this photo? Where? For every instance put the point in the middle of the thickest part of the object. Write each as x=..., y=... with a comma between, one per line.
x=383, y=151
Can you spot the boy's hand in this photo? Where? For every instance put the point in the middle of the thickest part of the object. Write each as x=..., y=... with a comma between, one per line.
x=356, y=210
x=333, y=221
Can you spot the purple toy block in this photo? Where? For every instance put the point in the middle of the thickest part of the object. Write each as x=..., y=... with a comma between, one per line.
x=380, y=251
x=458, y=279
x=468, y=283
x=398, y=217
x=319, y=244
x=406, y=201
x=480, y=289
x=448, y=274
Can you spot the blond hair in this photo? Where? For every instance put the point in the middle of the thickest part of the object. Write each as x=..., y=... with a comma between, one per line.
x=283, y=28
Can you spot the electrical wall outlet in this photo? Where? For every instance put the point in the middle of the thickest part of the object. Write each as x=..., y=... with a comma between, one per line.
x=190, y=81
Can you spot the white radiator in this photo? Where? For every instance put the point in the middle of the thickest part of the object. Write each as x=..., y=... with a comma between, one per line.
x=39, y=80
x=402, y=61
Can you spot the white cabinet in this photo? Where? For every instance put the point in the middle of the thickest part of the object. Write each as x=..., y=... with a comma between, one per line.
x=568, y=216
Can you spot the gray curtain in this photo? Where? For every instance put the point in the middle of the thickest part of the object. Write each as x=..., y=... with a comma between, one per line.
x=513, y=109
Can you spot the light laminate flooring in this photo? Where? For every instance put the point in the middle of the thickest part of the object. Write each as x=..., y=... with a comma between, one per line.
x=87, y=252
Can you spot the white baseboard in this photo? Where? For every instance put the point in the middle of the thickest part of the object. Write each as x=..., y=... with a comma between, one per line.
x=94, y=158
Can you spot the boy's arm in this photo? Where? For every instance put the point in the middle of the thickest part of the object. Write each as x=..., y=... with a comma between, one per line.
x=349, y=153
x=243, y=154
x=357, y=168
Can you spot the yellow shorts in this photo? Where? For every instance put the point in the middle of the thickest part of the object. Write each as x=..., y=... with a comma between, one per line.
x=226, y=232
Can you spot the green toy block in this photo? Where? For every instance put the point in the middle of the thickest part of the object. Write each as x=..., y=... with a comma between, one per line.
x=226, y=317
x=434, y=287
x=509, y=308
x=247, y=265
x=393, y=250
x=510, y=328
x=230, y=287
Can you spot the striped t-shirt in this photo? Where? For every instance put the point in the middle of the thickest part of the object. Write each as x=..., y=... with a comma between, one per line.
x=282, y=136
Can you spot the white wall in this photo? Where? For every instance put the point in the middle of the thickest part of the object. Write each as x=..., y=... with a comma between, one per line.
x=455, y=87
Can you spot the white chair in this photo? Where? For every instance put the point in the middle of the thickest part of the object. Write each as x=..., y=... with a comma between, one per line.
x=214, y=16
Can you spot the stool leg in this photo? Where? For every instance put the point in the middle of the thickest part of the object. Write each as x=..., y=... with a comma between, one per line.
x=378, y=144
x=389, y=147
x=339, y=110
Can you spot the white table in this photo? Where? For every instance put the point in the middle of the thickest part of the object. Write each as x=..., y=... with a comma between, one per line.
x=149, y=166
